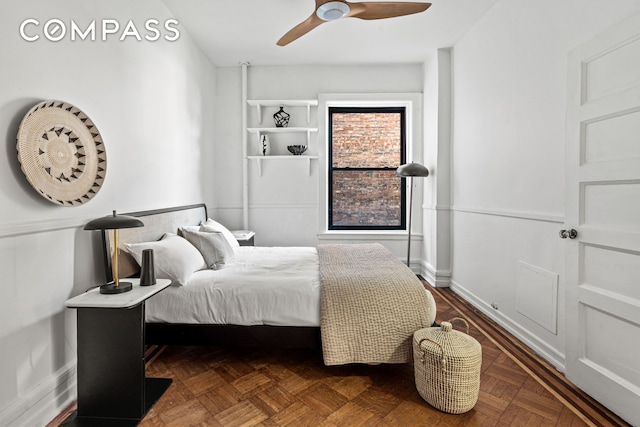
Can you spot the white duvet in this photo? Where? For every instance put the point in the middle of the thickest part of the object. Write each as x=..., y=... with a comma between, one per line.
x=278, y=286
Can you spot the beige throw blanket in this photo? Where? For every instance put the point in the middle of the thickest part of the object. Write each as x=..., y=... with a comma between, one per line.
x=370, y=305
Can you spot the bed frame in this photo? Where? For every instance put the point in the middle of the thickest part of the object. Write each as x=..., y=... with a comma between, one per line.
x=160, y=221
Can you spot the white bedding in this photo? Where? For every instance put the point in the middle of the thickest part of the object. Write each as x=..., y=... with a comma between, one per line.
x=278, y=286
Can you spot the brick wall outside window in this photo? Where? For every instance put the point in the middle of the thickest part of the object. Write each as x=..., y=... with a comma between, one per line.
x=366, y=140
x=366, y=198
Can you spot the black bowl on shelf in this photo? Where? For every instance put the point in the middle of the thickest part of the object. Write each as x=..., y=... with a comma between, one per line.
x=297, y=150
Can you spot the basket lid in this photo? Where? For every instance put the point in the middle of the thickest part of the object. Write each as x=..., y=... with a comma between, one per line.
x=454, y=343
x=446, y=326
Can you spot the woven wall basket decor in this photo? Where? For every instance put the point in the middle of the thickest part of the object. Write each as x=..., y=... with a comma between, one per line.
x=61, y=153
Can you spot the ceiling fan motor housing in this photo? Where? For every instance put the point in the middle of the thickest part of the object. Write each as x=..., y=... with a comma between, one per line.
x=333, y=10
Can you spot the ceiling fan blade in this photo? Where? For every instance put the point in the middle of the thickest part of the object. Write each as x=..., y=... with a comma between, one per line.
x=385, y=9
x=300, y=30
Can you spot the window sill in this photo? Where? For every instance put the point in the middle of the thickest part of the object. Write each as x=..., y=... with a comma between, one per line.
x=398, y=235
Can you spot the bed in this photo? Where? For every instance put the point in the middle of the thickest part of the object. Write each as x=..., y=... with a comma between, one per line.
x=282, y=296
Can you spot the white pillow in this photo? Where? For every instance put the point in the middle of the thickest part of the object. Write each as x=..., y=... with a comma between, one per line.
x=212, y=225
x=213, y=246
x=190, y=228
x=174, y=258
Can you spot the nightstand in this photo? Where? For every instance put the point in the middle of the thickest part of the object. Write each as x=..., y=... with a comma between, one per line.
x=244, y=237
x=112, y=386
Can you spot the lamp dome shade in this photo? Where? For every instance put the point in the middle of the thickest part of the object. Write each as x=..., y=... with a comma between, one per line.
x=412, y=169
x=114, y=222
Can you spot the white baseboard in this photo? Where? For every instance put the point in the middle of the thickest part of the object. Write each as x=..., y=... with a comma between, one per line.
x=44, y=402
x=541, y=348
x=437, y=279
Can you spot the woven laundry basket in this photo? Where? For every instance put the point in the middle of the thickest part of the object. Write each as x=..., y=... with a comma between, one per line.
x=447, y=367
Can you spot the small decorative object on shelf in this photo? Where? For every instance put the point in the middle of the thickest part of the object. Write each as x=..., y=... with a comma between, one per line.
x=265, y=147
x=297, y=150
x=281, y=118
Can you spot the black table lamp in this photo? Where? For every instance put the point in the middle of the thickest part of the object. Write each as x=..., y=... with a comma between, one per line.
x=114, y=222
x=410, y=170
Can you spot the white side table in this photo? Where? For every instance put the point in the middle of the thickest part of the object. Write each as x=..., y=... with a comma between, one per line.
x=112, y=386
x=244, y=237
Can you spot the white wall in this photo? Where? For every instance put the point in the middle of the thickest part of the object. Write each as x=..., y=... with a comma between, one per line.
x=152, y=103
x=284, y=201
x=509, y=91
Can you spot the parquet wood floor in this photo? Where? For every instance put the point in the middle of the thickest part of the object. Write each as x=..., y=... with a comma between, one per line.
x=275, y=387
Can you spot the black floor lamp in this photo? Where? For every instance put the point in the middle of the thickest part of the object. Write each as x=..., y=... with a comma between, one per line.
x=410, y=170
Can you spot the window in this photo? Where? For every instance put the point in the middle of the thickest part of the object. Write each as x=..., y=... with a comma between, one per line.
x=366, y=146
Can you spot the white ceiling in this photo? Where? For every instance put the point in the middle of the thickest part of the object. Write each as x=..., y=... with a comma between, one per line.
x=231, y=32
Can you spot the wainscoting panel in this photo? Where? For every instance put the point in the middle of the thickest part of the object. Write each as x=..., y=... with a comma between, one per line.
x=510, y=265
x=537, y=295
x=43, y=264
x=42, y=402
x=535, y=342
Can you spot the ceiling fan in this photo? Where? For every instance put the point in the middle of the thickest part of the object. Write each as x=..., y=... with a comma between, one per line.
x=327, y=10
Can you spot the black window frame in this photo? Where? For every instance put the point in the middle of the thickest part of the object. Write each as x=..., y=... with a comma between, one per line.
x=403, y=149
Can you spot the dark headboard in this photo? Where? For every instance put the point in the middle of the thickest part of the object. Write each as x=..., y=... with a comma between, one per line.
x=156, y=224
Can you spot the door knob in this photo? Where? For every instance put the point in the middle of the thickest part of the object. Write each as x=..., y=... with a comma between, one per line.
x=571, y=233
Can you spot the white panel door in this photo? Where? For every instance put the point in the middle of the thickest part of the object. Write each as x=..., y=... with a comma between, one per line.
x=603, y=206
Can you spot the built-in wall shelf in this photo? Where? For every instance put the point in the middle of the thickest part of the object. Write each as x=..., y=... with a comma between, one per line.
x=281, y=136
x=260, y=131
x=261, y=103
x=282, y=130
x=303, y=158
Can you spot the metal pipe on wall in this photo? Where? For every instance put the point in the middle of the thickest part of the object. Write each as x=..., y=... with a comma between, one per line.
x=245, y=160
